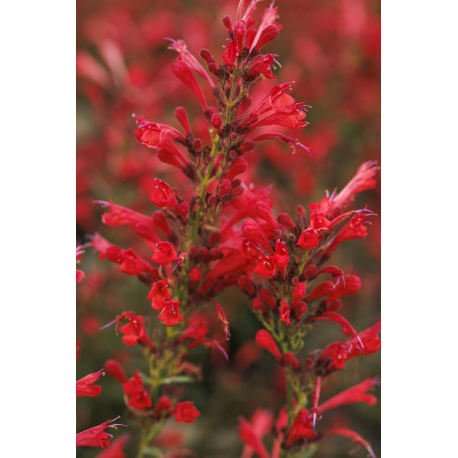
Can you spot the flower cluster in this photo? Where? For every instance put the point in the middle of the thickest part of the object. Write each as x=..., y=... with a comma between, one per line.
x=220, y=232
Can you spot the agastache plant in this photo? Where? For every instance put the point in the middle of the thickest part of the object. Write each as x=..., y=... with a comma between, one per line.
x=222, y=233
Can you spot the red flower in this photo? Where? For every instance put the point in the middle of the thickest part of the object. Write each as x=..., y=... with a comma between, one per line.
x=281, y=257
x=301, y=428
x=230, y=55
x=298, y=294
x=115, y=369
x=195, y=331
x=170, y=314
x=134, y=332
x=261, y=66
x=96, y=436
x=185, y=412
x=291, y=360
x=357, y=393
x=154, y=135
x=268, y=34
x=163, y=403
x=347, y=328
x=267, y=267
x=84, y=388
x=183, y=72
x=284, y=312
x=163, y=196
x=265, y=340
x=251, y=437
x=309, y=239
x=140, y=400
x=158, y=294
x=164, y=254
x=79, y=275
x=354, y=229
x=184, y=55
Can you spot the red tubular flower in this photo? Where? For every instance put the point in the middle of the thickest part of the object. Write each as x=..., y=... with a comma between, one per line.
x=348, y=285
x=229, y=56
x=322, y=289
x=139, y=397
x=238, y=166
x=134, y=332
x=163, y=196
x=185, y=56
x=363, y=180
x=182, y=117
x=357, y=393
x=355, y=437
x=309, y=239
x=291, y=360
x=170, y=315
x=268, y=298
x=96, y=436
x=251, y=230
x=164, y=254
x=354, y=229
x=195, y=331
x=298, y=294
x=281, y=257
x=252, y=438
x=158, y=294
x=84, y=388
x=261, y=66
x=264, y=212
x=266, y=267
x=154, y=135
x=183, y=72
x=185, y=412
x=284, y=312
x=284, y=110
x=265, y=340
x=301, y=428
x=133, y=385
x=115, y=369
x=268, y=34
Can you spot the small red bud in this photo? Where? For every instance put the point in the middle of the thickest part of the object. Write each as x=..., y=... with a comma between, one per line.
x=300, y=210
x=232, y=154
x=265, y=340
x=217, y=121
x=113, y=368
x=211, y=201
x=206, y=55
x=208, y=159
x=197, y=145
x=213, y=68
x=247, y=146
x=238, y=191
x=285, y=220
x=239, y=29
x=224, y=188
x=193, y=251
x=311, y=271
x=227, y=23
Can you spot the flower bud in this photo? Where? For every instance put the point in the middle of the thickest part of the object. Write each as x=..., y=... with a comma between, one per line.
x=232, y=154
x=238, y=166
x=197, y=144
x=247, y=146
x=265, y=340
x=264, y=212
x=213, y=68
x=206, y=55
x=300, y=210
x=239, y=29
x=212, y=201
x=183, y=210
x=113, y=368
x=268, y=34
x=301, y=308
x=224, y=188
x=208, y=159
x=291, y=360
x=309, y=239
x=216, y=253
x=182, y=117
x=227, y=23
x=193, y=251
x=285, y=220
x=311, y=271
x=217, y=121
x=195, y=275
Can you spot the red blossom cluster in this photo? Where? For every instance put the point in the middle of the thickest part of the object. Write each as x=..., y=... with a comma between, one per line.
x=220, y=231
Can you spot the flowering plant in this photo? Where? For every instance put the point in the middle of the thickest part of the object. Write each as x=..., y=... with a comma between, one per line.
x=219, y=232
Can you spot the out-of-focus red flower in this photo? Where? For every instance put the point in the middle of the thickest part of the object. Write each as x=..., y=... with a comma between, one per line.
x=186, y=412
x=84, y=386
